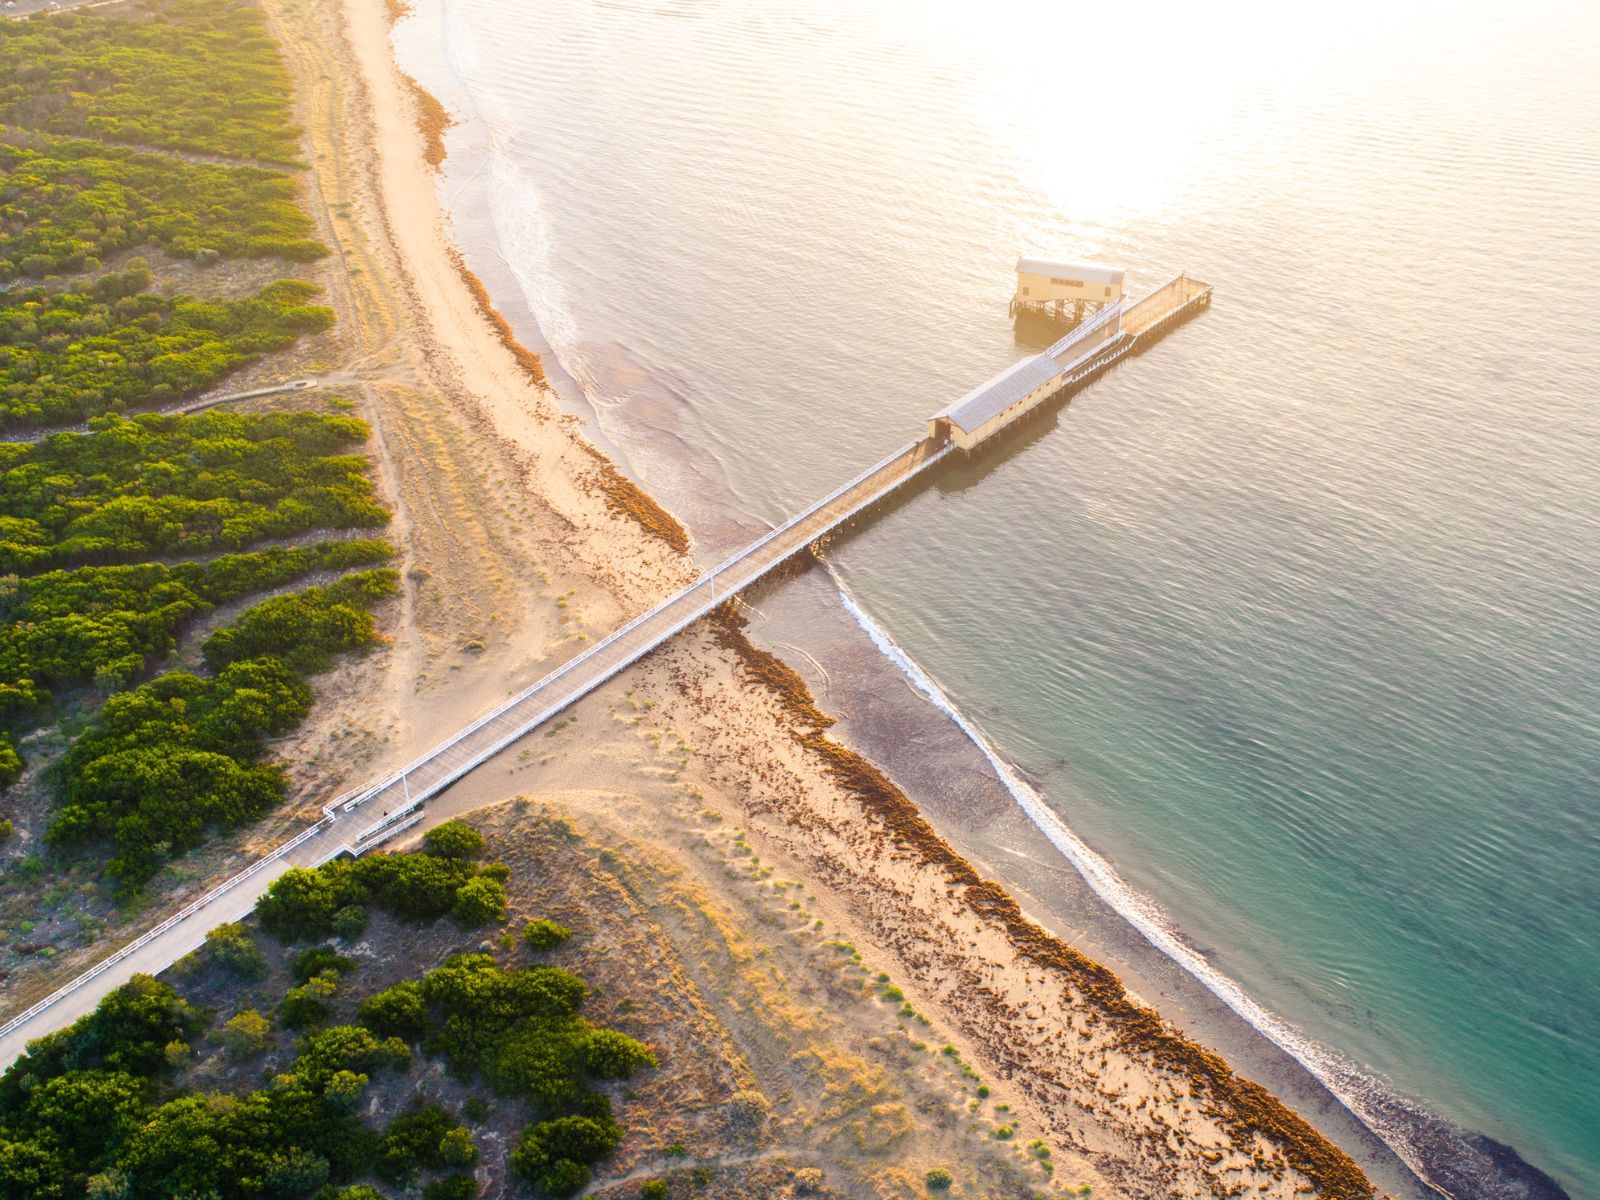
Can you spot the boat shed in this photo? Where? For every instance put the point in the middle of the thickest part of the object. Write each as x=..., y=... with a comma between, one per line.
x=1045, y=281
x=989, y=407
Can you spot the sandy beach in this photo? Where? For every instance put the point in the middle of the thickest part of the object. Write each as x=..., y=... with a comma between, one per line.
x=520, y=545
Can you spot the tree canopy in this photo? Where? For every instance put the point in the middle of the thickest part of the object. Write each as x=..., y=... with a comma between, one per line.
x=68, y=204
x=161, y=485
x=111, y=1106
x=195, y=75
x=117, y=346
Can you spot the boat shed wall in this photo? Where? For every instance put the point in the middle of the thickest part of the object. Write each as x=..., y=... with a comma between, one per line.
x=992, y=405
x=1043, y=281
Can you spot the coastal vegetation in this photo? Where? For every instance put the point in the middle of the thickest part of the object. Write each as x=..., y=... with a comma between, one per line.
x=201, y=76
x=105, y=625
x=132, y=1100
x=179, y=485
x=68, y=205
x=117, y=345
x=166, y=763
x=141, y=146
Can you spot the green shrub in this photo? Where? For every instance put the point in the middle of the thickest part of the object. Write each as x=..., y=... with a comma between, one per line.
x=107, y=623
x=399, y=1011
x=654, y=1189
x=233, y=949
x=453, y=839
x=419, y=1138
x=246, y=1033
x=188, y=209
x=938, y=1179
x=10, y=760
x=302, y=904
x=480, y=901
x=305, y=629
x=451, y=1187
x=564, y=1177
x=195, y=75
x=308, y=1005
x=343, y=1090
x=66, y=356
x=327, y=1052
x=317, y=960
x=159, y=767
x=218, y=480
x=544, y=935
x=580, y=1141
x=456, y=1148
x=608, y=1054
x=128, y=1032
x=348, y=923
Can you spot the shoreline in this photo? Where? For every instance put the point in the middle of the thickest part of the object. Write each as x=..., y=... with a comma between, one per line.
x=1335, y=1172
x=899, y=814
x=457, y=379
x=1435, y=1152
x=1002, y=775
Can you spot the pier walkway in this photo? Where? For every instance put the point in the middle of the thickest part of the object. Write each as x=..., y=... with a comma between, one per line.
x=362, y=819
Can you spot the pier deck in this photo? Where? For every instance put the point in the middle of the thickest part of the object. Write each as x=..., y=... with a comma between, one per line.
x=360, y=820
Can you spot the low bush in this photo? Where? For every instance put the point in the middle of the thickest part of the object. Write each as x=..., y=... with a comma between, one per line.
x=453, y=839
x=544, y=935
x=400, y=1011
x=305, y=629
x=70, y=202
x=173, y=759
x=196, y=75
x=308, y=1005
x=318, y=960
x=65, y=356
x=246, y=1033
x=132, y=488
x=423, y=1137
x=556, y=1154
x=108, y=624
x=233, y=949
x=451, y=1187
x=302, y=903
x=479, y=901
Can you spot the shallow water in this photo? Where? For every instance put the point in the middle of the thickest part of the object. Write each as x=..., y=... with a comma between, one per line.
x=1293, y=619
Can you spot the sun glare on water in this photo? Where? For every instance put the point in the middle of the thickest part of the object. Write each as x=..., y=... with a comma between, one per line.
x=1113, y=113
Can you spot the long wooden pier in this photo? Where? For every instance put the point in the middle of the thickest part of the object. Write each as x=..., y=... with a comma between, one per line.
x=362, y=819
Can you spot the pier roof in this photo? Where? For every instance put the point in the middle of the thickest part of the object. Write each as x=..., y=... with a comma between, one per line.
x=989, y=399
x=1071, y=270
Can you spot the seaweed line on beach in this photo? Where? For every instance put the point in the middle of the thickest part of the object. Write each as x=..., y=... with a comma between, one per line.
x=530, y=362
x=1245, y=1108
x=626, y=498
x=433, y=121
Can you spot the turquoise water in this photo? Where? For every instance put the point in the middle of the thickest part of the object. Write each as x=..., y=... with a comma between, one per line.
x=1293, y=619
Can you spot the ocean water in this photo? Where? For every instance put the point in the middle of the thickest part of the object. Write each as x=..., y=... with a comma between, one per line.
x=1295, y=619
